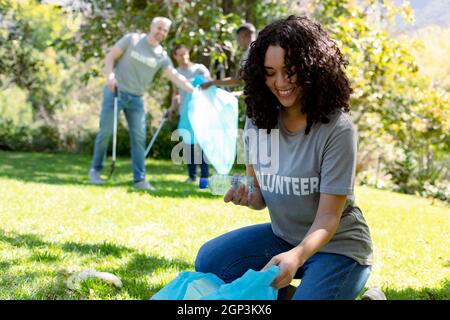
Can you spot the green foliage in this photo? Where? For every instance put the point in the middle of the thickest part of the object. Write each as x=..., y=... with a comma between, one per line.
x=208, y=28
x=28, y=138
x=14, y=137
x=393, y=104
x=410, y=177
x=439, y=190
x=46, y=138
x=14, y=106
x=402, y=172
x=431, y=49
x=28, y=52
x=399, y=110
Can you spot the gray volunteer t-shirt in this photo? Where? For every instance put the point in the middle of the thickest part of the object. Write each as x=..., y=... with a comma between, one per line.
x=190, y=72
x=140, y=61
x=293, y=169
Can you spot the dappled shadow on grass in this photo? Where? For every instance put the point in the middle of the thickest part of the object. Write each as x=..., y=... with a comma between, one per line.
x=45, y=254
x=175, y=189
x=22, y=240
x=141, y=265
x=44, y=168
x=61, y=168
x=50, y=289
x=35, y=242
x=72, y=169
x=47, y=260
x=5, y=265
x=440, y=293
x=100, y=249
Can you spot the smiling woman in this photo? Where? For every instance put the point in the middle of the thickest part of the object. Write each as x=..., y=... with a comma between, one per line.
x=295, y=63
x=282, y=83
x=297, y=97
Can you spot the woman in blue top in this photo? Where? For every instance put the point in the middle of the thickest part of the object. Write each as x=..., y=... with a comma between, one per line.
x=300, y=148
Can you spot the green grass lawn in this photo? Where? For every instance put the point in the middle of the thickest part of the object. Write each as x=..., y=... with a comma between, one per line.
x=54, y=223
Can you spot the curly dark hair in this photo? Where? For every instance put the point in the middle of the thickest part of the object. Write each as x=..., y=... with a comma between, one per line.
x=315, y=58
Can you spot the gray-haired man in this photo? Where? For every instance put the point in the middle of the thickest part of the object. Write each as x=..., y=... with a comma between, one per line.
x=130, y=66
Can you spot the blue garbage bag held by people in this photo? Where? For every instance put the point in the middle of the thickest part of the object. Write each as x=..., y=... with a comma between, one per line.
x=186, y=131
x=253, y=285
x=213, y=116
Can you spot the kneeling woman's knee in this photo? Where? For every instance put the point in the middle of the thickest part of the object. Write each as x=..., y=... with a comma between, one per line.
x=206, y=260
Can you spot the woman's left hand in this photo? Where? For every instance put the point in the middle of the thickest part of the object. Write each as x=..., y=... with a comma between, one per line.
x=288, y=262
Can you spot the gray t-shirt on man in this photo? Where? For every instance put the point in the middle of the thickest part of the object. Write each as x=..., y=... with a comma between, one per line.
x=293, y=169
x=139, y=63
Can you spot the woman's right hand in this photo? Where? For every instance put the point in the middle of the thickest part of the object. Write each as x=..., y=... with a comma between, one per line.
x=239, y=196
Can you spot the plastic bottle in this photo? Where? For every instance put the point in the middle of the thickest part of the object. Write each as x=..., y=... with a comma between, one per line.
x=219, y=184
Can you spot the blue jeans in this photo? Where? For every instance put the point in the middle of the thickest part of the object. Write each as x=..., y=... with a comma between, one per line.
x=192, y=166
x=133, y=107
x=325, y=276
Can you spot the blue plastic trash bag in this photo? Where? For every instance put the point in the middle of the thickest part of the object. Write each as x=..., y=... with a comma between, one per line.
x=187, y=132
x=189, y=286
x=253, y=285
x=210, y=118
x=213, y=115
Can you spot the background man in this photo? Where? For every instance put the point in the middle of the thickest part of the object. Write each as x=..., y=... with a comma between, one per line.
x=129, y=68
x=246, y=34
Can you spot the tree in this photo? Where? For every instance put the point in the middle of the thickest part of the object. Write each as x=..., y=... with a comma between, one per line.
x=393, y=102
x=29, y=56
x=207, y=27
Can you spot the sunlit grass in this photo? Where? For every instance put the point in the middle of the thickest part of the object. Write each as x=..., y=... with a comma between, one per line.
x=54, y=223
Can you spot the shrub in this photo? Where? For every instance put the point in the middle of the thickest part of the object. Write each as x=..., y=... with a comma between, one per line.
x=440, y=190
x=13, y=137
x=25, y=138
x=45, y=138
